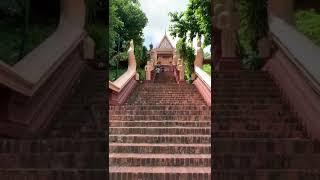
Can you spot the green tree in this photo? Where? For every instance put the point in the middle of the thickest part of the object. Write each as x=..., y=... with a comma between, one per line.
x=194, y=21
x=308, y=22
x=141, y=54
x=126, y=22
x=254, y=23
x=253, y=27
x=114, y=24
x=186, y=52
x=133, y=20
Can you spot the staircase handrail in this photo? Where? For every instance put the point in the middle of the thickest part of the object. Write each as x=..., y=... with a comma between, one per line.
x=125, y=78
x=31, y=72
x=304, y=55
x=198, y=64
x=122, y=81
x=203, y=80
x=203, y=76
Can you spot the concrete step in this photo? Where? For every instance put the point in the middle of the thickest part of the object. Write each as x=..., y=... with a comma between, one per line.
x=151, y=160
x=257, y=126
x=160, y=117
x=143, y=107
x=167, y=173
x=259, y=100
x=265, y=161
x=155, y=148
x=165, y=102
x=160, y=112
x=160, y=130
x=59, y=173
x=75, y=133
x=163, y=123
x=265, y=145
x=266, y=174
x=257, y=134
x=53, y=145
x=228, y=107
x=48, y=160
x=171, y=139
x=288, y=118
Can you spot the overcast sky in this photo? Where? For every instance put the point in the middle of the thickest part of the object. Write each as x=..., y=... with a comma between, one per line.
x=158, y=19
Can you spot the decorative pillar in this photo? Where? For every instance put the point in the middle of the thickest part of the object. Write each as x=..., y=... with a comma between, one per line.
x=228, y=21
x=199, y=56
x=181, y=69
x=148, y=68
x=132, y=64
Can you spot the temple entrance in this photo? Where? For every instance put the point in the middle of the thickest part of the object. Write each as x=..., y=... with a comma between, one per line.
x=164, y=57
x=166, y=75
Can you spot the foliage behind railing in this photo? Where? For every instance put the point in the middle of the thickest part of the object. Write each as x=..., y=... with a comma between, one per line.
x=295, y=67
x=203, y=80
x=122, y=87
x=304, y=54
x=38, y=83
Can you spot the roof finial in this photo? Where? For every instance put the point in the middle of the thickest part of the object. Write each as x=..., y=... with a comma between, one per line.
x=165, y=31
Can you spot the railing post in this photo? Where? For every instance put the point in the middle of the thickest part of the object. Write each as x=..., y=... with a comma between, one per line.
x=148, y=68
x=227, y=22
x=181, y=70
x=132, y=64
x=123, y=86
x=199, y=56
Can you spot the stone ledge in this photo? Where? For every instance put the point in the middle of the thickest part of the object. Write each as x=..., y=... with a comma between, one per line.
x=119, y=97
x=297, y=89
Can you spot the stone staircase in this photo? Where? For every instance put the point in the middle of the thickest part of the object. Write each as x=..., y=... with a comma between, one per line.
x=73, y=147
x=162, y=132
x=255, y=135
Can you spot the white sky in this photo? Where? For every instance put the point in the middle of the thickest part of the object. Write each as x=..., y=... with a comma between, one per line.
x=157, y=12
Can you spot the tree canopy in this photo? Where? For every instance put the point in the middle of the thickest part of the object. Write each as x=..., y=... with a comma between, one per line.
x=126, y=22
x=194, y=21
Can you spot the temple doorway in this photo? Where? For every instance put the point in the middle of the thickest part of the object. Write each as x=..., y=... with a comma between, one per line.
x=164, y=57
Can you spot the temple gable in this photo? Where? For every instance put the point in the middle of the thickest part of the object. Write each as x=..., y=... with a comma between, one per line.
x=165, y=43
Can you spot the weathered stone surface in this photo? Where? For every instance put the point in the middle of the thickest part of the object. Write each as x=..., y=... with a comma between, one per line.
x=163, y=131
x=256, y=134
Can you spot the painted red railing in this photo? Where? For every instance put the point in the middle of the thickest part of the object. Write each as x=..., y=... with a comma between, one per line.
x=121, y=88
x=203, y=84
x=34, y=88
x=203, y=80
x=295, y=68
